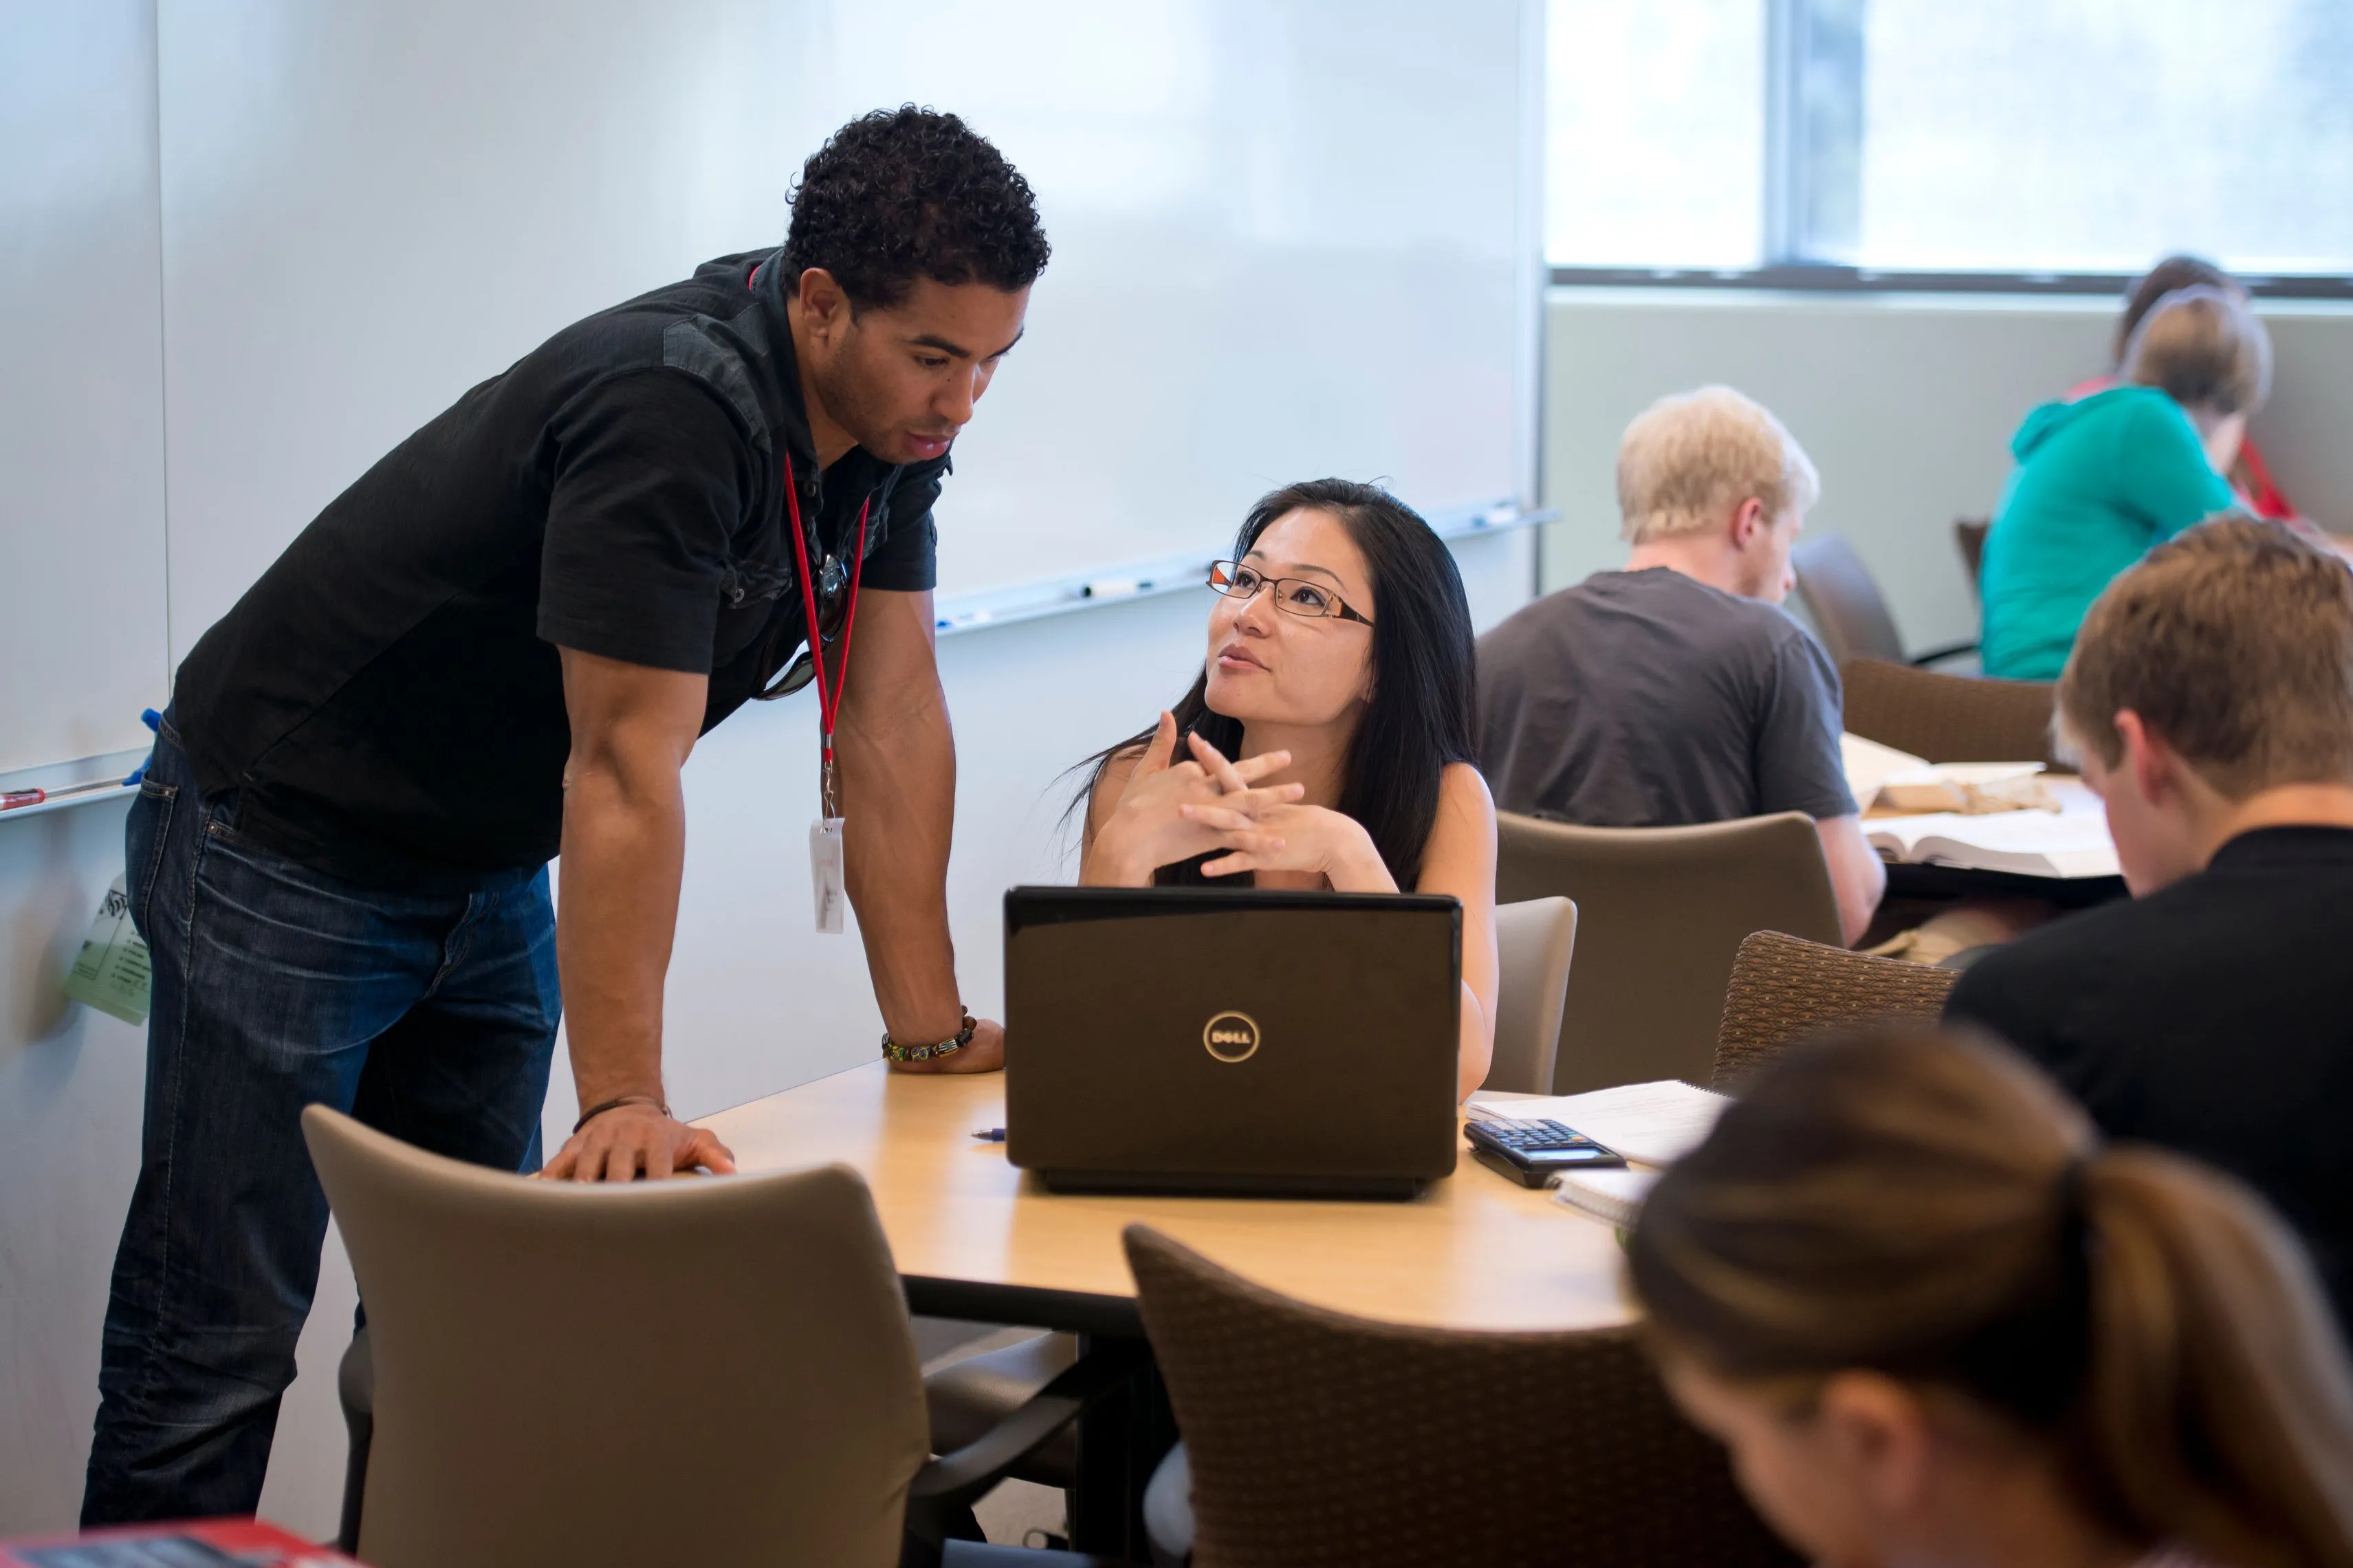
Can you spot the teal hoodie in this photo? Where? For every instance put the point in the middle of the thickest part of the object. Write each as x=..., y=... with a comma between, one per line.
x=2099, y=481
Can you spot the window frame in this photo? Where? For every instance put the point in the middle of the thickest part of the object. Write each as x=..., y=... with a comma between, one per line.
x=1812, y=138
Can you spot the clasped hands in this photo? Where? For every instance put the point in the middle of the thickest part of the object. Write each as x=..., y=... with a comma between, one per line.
x=1171, y=810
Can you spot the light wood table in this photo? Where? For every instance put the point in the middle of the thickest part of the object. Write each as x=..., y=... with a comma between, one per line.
x=975, y=1238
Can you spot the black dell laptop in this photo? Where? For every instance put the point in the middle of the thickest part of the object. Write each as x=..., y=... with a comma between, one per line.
x=1212, y=1040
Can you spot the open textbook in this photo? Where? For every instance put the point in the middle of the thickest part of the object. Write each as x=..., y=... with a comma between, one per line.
x=2070, y=842
x=2065, y=835
x=1653, y=1124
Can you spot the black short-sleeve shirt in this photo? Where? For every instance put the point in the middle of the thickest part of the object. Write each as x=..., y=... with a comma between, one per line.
x=387, y=700
x=2214, y=1017
x=1651, y=699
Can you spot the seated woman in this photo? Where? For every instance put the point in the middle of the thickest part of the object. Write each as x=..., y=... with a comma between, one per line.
x=2102, y=479
x=1938, y=1325
x=1327, y=742
x=2250, y=475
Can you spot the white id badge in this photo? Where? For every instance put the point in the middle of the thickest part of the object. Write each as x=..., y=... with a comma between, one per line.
x=825, y=873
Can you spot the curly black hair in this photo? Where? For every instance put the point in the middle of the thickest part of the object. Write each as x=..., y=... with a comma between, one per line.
x=908, y=192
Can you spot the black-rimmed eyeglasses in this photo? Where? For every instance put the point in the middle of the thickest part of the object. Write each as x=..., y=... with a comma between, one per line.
x=1292, y=595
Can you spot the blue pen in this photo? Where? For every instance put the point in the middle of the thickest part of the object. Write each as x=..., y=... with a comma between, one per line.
x=992, y=1135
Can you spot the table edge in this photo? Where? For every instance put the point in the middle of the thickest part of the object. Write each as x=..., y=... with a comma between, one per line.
x=1023, y=1305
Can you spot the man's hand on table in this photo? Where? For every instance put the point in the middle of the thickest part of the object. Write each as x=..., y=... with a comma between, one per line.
x=636, y=1142
x=985, y=1054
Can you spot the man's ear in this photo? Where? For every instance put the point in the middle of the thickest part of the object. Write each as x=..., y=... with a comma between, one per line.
x=1748, y=520
x=2147, y=761
x=823, y=305
x=1877, y=1433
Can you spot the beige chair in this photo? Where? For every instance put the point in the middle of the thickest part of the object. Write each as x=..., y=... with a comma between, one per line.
x=1533, y=943
x=1948, y=718
x=1843, y=601
x=1661, y=912
x=1784, y=990
x=718, y=1369
x=1315, y=1436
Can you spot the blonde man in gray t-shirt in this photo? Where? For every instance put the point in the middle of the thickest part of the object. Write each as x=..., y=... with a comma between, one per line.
x=1677, y=690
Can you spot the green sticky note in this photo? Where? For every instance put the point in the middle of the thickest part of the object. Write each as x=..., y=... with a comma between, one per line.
x=110, y=973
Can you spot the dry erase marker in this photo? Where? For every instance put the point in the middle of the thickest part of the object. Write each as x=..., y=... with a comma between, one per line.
x=16, y=797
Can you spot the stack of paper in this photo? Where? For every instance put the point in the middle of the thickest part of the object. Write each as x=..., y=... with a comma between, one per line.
x=1869, y=765
x=1650, y=1124
x=1613, y=1197
x=1653, y=1124
x=1882, y=778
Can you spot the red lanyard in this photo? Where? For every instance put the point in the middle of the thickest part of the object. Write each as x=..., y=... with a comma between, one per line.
x=828, y=704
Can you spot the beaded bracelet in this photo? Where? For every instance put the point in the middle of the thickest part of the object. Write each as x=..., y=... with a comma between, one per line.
x=930, y=1053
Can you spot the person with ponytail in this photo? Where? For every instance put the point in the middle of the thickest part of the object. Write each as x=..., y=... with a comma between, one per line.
x=1328, y=739
x=1940, y=1324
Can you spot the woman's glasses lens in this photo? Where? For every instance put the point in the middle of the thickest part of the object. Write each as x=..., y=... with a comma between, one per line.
x=1294, y=595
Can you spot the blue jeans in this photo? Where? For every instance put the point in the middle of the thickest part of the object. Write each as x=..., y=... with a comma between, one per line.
x=432, y=1017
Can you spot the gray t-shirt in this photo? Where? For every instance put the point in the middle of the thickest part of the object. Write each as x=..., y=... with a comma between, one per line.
x=1649, y=699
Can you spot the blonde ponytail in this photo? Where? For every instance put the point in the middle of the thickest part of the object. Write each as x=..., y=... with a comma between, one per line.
x=1930, y=1208
x=2217, y=1407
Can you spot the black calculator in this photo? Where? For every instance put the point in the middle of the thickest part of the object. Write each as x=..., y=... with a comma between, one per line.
x=1534, y=1153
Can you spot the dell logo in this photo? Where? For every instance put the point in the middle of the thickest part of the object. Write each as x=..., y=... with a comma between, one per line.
x=1230, y=1036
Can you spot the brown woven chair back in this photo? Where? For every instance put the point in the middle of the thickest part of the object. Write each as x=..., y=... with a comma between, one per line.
x=1948, y=718
x=1660, y=911
x=1842, y=599
x=1784, y=990
x=1319, y=1437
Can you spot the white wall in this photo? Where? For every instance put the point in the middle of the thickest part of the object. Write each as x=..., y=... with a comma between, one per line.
x=756, y=1002
x=1906, y=404
x=83, y=644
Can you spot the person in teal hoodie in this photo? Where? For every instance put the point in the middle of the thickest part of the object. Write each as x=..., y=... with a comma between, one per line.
x=2104, y=478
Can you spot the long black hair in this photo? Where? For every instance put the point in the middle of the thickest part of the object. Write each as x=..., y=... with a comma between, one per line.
x=1423, y=712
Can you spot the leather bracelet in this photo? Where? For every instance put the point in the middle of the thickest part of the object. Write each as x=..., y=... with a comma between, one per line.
x=947, y=1047
x=599, y=1109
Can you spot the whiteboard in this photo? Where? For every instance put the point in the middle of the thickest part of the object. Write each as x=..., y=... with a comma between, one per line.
x=1292, y=237
x=83, y=639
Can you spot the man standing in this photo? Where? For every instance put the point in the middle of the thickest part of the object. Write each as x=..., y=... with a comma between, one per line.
x=498, y=645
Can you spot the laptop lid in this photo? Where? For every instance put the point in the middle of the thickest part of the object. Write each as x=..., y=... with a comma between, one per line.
x=1231, y=1034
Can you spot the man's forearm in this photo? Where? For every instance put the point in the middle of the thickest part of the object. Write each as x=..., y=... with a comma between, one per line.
x=898, y=794
x=624, y=851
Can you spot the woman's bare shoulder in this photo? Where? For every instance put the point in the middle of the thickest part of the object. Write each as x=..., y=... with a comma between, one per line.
x=1464, y=788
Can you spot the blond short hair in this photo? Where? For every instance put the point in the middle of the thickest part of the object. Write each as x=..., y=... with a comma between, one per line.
x=2234, y=643
x=1688, y=461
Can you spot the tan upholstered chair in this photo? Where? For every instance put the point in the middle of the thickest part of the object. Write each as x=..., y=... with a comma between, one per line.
x=1314, y=1437
x=1948, y=718
x=1660, y=911
x=1533, y=943
x=718, y=1369
x=1842, y=599
x=1784, y=991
